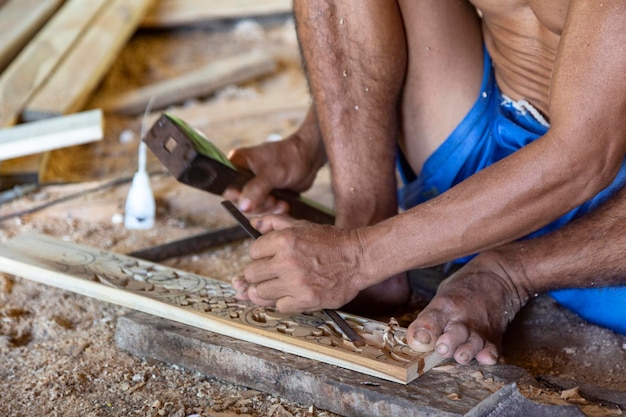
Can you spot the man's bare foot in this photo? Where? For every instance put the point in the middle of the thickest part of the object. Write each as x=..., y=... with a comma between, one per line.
x=381, y=298
x=469, y=314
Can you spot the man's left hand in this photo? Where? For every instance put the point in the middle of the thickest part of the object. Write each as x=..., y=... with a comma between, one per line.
x=301, y=266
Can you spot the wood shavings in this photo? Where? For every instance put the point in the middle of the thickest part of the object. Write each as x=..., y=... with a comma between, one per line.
x=445, y=368
x=573, y=396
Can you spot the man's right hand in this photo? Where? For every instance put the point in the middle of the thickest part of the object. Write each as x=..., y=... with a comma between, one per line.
x=291, y=164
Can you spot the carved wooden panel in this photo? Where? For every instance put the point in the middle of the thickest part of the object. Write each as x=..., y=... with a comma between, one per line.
x=210, y=304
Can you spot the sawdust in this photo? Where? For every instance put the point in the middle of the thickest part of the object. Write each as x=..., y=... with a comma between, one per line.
x=57, y=353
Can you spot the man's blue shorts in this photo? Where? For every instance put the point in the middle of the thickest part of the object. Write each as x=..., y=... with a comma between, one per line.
x=494, y=128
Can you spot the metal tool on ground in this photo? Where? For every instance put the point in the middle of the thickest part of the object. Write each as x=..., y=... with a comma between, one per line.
x=255, y=234
x=193, y=160
x=191, y=245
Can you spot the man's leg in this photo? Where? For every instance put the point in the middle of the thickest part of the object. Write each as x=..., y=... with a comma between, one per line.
x=367, y=64
x=473, y=307
x=444, y=73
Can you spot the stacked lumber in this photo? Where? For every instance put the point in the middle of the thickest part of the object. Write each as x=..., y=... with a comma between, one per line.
x=57, y=70
x=54, y=53
x=77, y=76
x=67, y=58
x=19, y=21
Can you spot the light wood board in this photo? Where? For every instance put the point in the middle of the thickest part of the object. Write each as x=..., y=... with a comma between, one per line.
x=71, y=85
x=37, y=61
x=45, y=135
x=198, y=83
x=167, y=13
x=19, y=21
x=210, y=304
x=295, y=100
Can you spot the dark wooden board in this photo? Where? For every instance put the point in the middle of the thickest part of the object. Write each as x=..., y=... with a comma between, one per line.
x=307, y=381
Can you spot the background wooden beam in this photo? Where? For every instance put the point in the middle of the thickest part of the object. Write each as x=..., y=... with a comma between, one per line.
x=198, y=83
x=34, y=65
x=71, y=85
x=19, y=21
x=167, y=13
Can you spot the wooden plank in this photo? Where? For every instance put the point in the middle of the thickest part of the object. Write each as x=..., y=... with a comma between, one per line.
x=69, y=88
x=210, y=305
x=306, y=381
x=45, y=135
x=294, y=101
x=41, y=57
x=19, y=21
x=168, y=13
x=198, y=83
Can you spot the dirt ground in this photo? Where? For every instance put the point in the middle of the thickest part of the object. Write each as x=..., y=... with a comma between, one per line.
x=57, y=355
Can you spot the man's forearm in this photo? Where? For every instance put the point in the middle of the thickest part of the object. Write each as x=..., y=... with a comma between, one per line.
x=587, y=253
x=355, y=60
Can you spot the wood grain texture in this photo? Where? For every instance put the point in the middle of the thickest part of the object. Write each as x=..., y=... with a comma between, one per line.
x=45, y=135
x=41, y=57
x=71, y=85
x=168, y=13
x=19, y=21
x=198, y=83
x=210, y=304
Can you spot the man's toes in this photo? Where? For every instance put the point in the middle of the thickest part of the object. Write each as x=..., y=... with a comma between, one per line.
x=422, y=334
x=488, y=355
x=454, y=335
x=422, y=341
x=465, y=352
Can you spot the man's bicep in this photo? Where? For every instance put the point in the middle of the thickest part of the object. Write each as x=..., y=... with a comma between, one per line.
x=588, y=91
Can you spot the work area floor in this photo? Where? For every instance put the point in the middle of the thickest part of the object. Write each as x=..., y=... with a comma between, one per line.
x=57, y=350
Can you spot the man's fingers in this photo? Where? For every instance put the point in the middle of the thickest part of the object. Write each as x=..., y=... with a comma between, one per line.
x=258, y=271
x=266, y=224
x=285, y=304
x=240, y=285
x=274, y=206
x=255, y=195
x=272, y=289
x=232, y=194
x=289, y=305
x=258, y=300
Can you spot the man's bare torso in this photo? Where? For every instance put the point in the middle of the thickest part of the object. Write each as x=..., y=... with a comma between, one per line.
x=522, y=37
